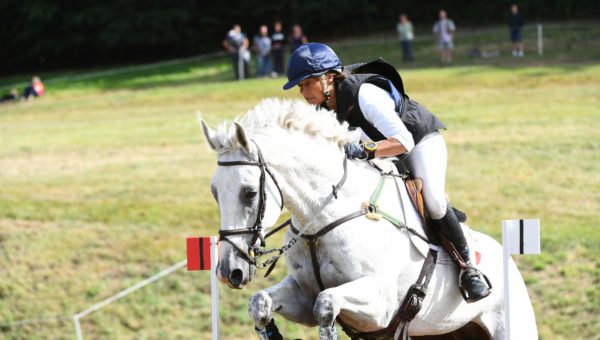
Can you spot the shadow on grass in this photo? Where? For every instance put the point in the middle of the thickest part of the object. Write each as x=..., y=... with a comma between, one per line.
x=569, y=48
x=183, y=74
x=132, y=78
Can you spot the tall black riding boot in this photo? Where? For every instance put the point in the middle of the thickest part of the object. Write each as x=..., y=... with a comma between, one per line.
x=471, y=281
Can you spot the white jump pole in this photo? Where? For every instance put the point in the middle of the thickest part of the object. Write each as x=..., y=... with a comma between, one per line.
x=77, y=317
x=214, y=287
x=77, y=327
x=540, y=39
x=506, y=251
x=518, y=237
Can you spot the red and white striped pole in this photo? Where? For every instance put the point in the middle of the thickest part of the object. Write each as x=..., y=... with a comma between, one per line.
x=203, y=254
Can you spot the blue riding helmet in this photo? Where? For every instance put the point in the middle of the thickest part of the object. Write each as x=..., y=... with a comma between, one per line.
x=311, y=60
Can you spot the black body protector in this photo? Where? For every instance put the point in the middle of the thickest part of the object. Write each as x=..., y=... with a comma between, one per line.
x=418, y=120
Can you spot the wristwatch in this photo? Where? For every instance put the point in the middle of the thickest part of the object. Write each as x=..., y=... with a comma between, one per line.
x=370, y=148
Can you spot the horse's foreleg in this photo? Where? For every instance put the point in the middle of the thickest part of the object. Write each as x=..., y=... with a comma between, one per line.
x=285, y=298
x=365, y=301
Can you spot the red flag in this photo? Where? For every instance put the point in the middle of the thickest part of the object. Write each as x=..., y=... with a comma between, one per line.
x=198, y=253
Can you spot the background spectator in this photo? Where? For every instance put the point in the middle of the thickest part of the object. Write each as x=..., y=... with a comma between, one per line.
x=237, y=44
x=406, y=35
x=12, y=95
x=262, y=47
x=515, y=24
x=297, y=39
x=444, y=30
x=277, y=41
x=36, y=89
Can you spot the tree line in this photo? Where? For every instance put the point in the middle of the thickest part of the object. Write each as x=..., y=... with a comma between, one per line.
x=39, y=35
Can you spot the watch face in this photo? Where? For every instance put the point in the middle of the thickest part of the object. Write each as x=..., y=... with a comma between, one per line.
x=371, y=146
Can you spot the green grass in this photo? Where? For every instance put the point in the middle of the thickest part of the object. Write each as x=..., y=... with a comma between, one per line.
x=102, y=180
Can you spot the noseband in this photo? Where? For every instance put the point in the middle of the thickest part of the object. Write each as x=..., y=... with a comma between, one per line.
x=256, y=229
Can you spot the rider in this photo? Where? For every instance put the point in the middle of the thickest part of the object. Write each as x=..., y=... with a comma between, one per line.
x=397, y=125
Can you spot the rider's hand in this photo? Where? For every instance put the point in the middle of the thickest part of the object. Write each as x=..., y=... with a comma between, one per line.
x=355, y=150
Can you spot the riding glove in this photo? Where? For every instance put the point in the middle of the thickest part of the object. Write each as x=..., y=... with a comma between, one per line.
x=355, y=150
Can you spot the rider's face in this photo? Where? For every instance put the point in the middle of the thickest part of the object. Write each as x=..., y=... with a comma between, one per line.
x=312, y=91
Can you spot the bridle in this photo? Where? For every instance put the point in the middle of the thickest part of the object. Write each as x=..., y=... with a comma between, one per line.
x=254, y=252
x=256, y=229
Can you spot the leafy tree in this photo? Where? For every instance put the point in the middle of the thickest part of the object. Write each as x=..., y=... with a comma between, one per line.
x=52, y=34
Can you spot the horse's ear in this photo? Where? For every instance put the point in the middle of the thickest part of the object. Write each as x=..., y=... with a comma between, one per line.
x=240, y=134
x=209, y=134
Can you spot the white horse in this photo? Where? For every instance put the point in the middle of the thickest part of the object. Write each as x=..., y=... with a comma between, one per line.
x=366, y=266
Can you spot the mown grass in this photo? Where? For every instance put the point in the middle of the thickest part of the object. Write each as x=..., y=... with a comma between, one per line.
x=101, y=181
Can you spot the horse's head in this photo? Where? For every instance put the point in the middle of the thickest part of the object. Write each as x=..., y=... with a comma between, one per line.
x=249, y=201
x=303, y=145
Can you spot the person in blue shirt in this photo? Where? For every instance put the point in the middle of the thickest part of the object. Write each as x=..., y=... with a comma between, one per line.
x=262, y=48
x=515, y=25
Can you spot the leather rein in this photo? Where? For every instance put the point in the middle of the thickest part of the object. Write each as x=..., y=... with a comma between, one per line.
x=254, y=252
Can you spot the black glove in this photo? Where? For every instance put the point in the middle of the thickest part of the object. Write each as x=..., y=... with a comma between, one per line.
x=355, y=150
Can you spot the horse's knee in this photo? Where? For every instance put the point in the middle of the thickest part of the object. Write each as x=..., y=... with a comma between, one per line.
x=260, y=308
x=326, y=308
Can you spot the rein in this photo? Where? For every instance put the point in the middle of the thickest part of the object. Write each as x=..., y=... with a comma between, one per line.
x=254, y=252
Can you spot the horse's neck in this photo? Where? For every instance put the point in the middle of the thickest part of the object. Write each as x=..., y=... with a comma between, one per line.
x=309, y=168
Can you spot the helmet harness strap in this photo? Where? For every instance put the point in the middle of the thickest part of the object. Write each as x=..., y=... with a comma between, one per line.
x=325, y=86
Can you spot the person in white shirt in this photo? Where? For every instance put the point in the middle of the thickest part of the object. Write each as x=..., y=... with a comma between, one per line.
x=391, y=124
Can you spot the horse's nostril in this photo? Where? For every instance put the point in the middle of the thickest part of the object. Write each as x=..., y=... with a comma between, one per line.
x=236, y=277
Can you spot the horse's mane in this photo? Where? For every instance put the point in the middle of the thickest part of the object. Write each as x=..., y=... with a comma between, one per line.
x=293, y=115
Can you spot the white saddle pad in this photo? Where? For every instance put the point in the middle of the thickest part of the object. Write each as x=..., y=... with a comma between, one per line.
x=443, y=256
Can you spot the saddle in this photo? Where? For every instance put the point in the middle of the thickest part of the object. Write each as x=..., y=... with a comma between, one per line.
x=414, y=187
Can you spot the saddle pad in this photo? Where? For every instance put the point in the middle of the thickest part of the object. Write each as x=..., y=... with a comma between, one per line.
x=385, y=165
x=443, y=256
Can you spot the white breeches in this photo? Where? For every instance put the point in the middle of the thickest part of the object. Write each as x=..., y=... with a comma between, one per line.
x=428, y=161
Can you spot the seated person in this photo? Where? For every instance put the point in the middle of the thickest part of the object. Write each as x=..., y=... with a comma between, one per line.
x=36, y=89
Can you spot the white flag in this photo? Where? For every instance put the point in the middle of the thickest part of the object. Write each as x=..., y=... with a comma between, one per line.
x=522, y=236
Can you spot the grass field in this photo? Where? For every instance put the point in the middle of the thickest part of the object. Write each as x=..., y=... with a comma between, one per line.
x=102, y=180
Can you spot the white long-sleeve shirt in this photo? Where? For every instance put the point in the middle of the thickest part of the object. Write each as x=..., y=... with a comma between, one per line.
x=378, y=108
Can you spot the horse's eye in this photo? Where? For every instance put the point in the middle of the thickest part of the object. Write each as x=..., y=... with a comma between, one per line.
x=250, y=194
x=247, y=195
